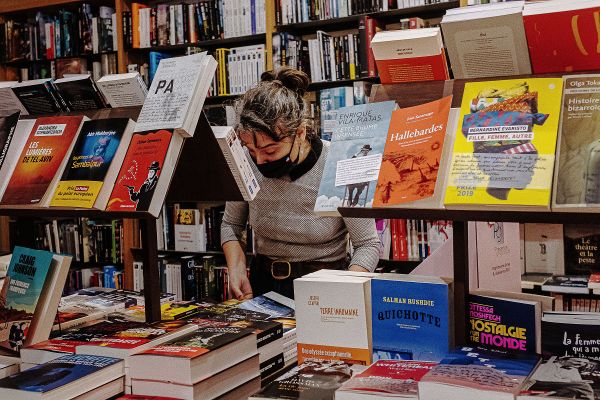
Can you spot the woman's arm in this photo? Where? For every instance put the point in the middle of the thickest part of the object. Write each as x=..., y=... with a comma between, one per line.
x=363, y=235
x=232, y=229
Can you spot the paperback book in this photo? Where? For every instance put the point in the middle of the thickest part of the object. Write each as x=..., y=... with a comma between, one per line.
x=354, y=158
x=570, y=334
x=582, y=249
x=505, y=144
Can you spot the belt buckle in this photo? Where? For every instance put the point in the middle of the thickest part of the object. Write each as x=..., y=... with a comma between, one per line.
x=281, y=277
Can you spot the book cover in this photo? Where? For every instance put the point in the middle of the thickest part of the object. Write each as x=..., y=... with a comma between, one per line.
x=413, y=152
x=581, y=249
x=8, y=124
x=39, y=97
x=269, y=306
x=562, y=37
x=56, y=373
x=266, y=330
x=178, y=310
x=354, y=158
x=405, y=307
x=577, y=183
x=140, y=171
x=209, y=336
x=315, y=380
x=505, y=143
x=544, y=248
x=567, y=284
x=387, y=378
x=570, y=336
x=497, y=323
x=330, y=101
x=79, y=93
x=89, y=162
x=476, y=369
x=41, y=159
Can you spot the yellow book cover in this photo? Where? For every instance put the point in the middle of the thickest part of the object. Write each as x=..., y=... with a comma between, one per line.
x=505, y=143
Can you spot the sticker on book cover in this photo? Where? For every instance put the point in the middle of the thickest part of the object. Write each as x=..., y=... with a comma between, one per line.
x=357, y=170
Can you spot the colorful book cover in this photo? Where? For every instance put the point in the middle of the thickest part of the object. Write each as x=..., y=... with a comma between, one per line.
x=178, y=310
x=388, y=377
x=354, y=158
x=266, y=330
x=315, y=380
x=403, y=310
x=575, y=337
x=505, y=324
x=139, y=174
x=57, y=373
x=135, y=335
x=505, y=143
x=413, y=152
x=88, y=163
x=266, y=305
x=565, y=40
x=41, y=158
x=8, y=124
x=481, y=370
x=209, y=336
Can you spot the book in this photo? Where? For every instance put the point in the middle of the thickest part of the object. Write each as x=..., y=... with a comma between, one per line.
x=413, y=154
x=570, y=334
x=354, y=159
x=9, y=119
x=79, y=92
x=210, y=388
x=177, y=93
x=544, y=249
x=146, y=172
x=12, y=156
x=486, y=40
x=330, y=101
x=66, y=377
x=505, y=144
x=567, y=284
x=581, y=245
x=9, y=365
x=560, y=36
x=39, y=96
x=410, y=55
x=469, y=373
x=334, y=318
x=211, y=348
x=30, y=292
x=407, y=305
x=315, y=380
x=237, y=160
x=507, y=324
x=8, y=98
x=43, y=157
x=92, y=166
x=562, y=377
x=123, y=90
x=577, y=146
x=385, y=379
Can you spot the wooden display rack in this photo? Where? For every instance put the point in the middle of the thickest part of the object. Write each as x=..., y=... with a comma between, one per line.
x=201, y=175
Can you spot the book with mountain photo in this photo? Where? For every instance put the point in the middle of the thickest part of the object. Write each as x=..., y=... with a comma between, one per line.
x=505, y=145
x=92, y=166
x=354, y=157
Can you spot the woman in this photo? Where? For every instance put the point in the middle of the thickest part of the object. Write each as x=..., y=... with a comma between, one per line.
x=291, y=240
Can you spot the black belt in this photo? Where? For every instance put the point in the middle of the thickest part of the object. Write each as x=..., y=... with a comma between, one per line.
x=283, y=269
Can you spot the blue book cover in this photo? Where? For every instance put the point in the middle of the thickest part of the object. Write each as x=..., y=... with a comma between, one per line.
x=25, y=278
x=57, y=373
x=155, y=57
x=330, y=101
x=411, y=320
x=478, y=369
x=268, y=306
x=505, y=324
x=355, y=154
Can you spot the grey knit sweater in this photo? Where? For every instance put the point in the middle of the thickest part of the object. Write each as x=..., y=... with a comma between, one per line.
x=285, y=226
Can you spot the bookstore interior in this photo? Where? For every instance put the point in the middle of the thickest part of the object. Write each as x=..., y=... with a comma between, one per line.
x=299, y=199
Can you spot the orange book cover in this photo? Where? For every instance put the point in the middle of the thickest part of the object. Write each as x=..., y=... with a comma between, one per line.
x=135, y=24
x=426, y=68
x=41, y=157
x=412, y=154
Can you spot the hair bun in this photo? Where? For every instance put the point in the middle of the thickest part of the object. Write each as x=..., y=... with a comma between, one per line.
x=293, y=79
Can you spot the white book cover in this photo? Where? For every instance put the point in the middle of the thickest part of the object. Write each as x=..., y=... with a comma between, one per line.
x=333, y=316
x=8, y=98
x=544, y=249
x=122, y=90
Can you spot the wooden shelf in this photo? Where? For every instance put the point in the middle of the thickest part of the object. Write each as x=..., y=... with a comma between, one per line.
x=179, y=252
x=25, y=61
x=10, y=6
x=333, y=24
x=52, y=212
x=490, y=214
x=344, y=82
x=228, y=42
x=211, y=100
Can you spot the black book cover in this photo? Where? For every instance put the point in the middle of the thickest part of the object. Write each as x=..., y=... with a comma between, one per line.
x=186, y=23
x=579, y=339
x=311, y=380
x=266, y=331
x=38, y=99
x=271, y=365
x=8, y=124
x=80, y=94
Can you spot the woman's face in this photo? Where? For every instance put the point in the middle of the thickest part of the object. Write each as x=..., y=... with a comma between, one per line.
x=263, y=148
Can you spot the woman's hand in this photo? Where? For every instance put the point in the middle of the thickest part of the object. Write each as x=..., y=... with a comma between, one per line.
x=239, y=285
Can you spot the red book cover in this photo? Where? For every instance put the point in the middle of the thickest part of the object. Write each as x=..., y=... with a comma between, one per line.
x=402, y=240
x=40, y=160
x=395, y=240
x=58, y=345
x=141, y=169
x=371, y=26
x=389, y=377
x=563, y=41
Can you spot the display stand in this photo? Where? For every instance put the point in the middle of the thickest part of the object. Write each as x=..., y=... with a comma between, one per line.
x=201, y=175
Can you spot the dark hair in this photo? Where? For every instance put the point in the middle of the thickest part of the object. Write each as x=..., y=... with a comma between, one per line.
x=276, y=106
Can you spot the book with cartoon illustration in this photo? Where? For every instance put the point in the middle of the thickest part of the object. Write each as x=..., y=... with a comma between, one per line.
x=505, y=143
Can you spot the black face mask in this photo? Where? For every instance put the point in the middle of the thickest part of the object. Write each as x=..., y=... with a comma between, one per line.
x=277, y=168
